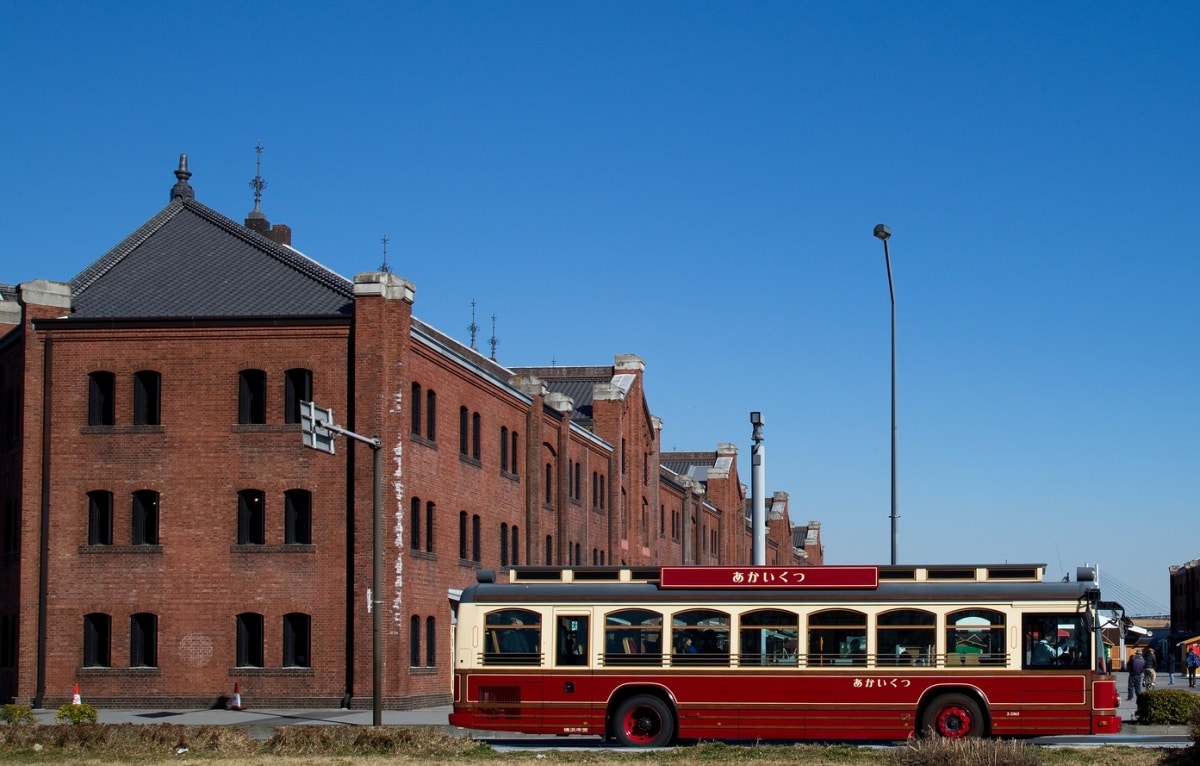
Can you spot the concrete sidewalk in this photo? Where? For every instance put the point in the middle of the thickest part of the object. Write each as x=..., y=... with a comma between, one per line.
x=270, y=718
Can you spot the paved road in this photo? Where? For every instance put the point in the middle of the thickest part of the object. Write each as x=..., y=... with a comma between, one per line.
x=267, y=719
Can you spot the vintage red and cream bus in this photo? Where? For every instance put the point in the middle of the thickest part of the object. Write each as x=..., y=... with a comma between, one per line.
x=648, y=656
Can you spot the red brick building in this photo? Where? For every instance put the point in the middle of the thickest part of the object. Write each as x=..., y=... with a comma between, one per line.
x=165, y=535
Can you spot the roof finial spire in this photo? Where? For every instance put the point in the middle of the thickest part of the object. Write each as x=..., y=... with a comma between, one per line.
x=258, y=184
x=473, y=328
x=384, y=268
x=494, y=341
x=181, y=187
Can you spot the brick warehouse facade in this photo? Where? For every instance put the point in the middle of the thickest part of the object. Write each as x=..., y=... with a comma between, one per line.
x=165, y=535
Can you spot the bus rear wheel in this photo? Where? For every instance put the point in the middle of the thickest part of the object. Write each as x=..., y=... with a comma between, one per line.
x=953, y=716
x=644, y=721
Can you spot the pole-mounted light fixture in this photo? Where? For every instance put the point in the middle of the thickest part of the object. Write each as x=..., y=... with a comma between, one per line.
x=884, y=232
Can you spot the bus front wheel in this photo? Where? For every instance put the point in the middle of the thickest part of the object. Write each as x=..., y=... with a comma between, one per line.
x=953, y=716
x=644, y=721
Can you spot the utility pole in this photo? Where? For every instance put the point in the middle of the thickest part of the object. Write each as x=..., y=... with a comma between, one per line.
x=317, y=430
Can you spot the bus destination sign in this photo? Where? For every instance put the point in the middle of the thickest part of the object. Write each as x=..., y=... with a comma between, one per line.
x=759, y=577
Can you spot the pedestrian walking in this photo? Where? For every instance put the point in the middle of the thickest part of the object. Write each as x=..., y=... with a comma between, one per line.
x=1136, y=665
x=1151, y=671
x=1193, y=662
x=1170, y=668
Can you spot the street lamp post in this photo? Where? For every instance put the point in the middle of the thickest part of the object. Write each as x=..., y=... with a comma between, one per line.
x=883, y=232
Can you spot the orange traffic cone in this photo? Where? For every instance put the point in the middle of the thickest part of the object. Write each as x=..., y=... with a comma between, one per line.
x=236, y=702
x=75, y=698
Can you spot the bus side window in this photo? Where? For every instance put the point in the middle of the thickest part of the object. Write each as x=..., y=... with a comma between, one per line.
x=571, y=640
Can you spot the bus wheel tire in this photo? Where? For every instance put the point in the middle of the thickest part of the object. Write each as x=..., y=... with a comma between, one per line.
x=953, y=716
x=644, y=721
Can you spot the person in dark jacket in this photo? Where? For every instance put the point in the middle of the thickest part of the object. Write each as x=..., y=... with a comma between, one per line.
x=1136, y=665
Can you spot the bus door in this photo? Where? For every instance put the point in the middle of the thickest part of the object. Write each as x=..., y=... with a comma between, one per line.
x=1056, y=658
x=569, y=707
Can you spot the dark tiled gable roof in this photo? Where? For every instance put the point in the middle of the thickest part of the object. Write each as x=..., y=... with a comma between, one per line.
x=191, y=261
x=693, y=465
x=575, y=382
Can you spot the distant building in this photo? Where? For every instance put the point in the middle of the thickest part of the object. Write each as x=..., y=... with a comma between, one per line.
x=164, y=535
x=1185, y=598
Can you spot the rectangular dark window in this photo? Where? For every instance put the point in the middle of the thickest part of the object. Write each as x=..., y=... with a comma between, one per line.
x=297, y=388
x=476, y=538
x=430, y=642
x=143, y=640
x=8, y=641
x=249, y=640
x=503, y=545
x=100, y=518
x=97, y=640
x=476, y=436
x=414, y=523
x=147, y=398
x=429, y=513
x=251, y=518
x=430, y=416
x=414, y=641
x=462, y=534
x=101, y=391
x=297, y=517
x=145, y=517
x=464, y=432
x=297, y=637
x=12, y=414
x=9, y=538
x=503, y=448
x=516, y=546
x=414, y=399
x=252, y=397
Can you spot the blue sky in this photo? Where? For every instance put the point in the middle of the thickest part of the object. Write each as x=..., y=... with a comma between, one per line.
x=696, y=183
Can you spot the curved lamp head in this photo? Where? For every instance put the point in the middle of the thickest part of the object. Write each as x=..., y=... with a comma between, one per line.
x=882, y=231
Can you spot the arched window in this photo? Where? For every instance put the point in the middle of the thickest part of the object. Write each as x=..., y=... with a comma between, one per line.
x=512, y=637
x=476, y=538
x=431, y=416
x=905, y=637
x=975, y=636
x=252, y=397
x=414, y=399
x=768, y=637
x=249, y=640
x=430, y=642
x=430, y=508
x=462, y=535
x=297, y=517
x=633, y=637
x=143, y=640
x=297, y=385
x=145, y=518
x=100, y=517
x=251, y=519
x=464, y=431
x=101, y=392
x=503, y=544
x=700, y=636
x=97, y=640
x=837, y=637
x=297, y=639
x=147, y=404
x=414, y=523
x=414, y=641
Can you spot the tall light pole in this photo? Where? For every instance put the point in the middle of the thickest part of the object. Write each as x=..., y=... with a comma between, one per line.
x=882, y=231
x=758, y=497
